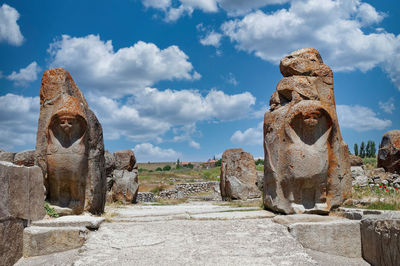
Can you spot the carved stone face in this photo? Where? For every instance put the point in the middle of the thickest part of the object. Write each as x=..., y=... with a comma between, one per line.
x=67, y=129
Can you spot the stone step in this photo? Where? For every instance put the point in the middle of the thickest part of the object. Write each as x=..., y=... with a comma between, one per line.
x=46, y=240
x=89, y=222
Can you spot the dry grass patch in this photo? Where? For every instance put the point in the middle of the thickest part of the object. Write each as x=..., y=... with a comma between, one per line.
x=258, y=203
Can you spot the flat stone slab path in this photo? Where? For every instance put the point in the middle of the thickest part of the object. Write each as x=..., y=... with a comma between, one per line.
x=195, y=233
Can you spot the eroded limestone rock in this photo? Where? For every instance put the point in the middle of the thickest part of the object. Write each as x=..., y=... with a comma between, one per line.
x=389, y=152
x=238, y=175
x=69, y=146
x=122, y=177
x=307, y=167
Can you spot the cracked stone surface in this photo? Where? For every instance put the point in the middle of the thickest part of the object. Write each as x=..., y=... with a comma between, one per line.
x=171, y=235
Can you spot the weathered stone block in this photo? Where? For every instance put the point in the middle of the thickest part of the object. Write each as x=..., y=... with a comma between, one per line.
x=26, y=158
x=11, y=241
x=306, y=167
x=89, y=222
x=381, y=240
x=389, y=152
x=125, y=160
x=339, y=237
x=46, y=240
x=238, y=175
x=126, y=186
x=7, y=156
x=21, y=192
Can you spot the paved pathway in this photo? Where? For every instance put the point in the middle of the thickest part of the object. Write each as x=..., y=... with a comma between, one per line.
x=196, y=233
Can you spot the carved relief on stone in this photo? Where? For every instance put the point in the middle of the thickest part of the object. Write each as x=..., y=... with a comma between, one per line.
x=67, y=155
x=69, y=146
x=306, y=161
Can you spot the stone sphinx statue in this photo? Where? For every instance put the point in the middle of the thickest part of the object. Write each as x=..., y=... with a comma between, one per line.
x=306, y=161
x=69, y=146
x=67, y=156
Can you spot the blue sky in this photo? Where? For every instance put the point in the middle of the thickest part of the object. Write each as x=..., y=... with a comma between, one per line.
x=188, y=79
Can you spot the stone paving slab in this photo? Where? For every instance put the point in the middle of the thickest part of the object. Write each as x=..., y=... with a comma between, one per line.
x=304, y=218
x=89, y=222
x=232, y=215
x=46, y=240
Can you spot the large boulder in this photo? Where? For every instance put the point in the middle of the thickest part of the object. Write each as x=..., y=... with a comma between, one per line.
x=21, y=192
x=125, y=187
x=238, y=175
x=69, y=145
x=122, y=177
x=124, y=160
x=380, y=239
x=355, y=160
x=26, y=158
x=389, y=152
x=307, y=167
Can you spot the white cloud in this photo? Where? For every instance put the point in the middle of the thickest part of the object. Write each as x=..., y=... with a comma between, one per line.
x=335, y=28
x=212, y=39
x=150, y=113
x=241, y=7
x=147, y=152
x=231, y=79
x=99, y=69
x=25, y=75
x=388, y=106
x=360, y=118
x=251, y=136
x=18, y=121
x=9, y=29
x=159, y=4
x=194, y=144
x=173, y=11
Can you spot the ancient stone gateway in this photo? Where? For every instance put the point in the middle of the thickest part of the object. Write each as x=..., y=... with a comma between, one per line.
x=306, y=160
x=69, y=146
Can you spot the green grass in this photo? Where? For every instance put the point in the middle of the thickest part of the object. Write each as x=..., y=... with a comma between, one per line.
x=50, y=211
x=260, y=167
x=390, y=195
x=389, y=206
x=370, y=163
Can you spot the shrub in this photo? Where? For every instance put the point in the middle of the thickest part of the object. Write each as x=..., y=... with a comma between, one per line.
x=158, y=169
x=167, y=168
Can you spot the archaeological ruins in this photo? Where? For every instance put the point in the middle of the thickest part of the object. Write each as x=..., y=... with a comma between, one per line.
x=71, y=202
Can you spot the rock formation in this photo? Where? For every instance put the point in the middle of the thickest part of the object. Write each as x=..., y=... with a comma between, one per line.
x=69, y=145
x=238, y=175
x=21, y=201
x=389, y=152
x=306, y=167
x=122, y=176
x=355, y=160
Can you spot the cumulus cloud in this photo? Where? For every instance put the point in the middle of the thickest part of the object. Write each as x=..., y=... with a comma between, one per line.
x=251, y=136
x=240, y=7
x=212, y=39
x=9, y=29
x=388, y=106
x=360, y=118
x=173, y=11
x=25, y=75
x=18, y=121
x=150, y=113
x=336, y=28
x=147, y=152
x=99, y=69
